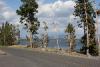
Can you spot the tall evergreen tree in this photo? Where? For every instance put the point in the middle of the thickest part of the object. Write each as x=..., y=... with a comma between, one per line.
x=85, y=11
x=71, y=36
x=27, y=11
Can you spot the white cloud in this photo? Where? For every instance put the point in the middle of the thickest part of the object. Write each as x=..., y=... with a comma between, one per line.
x=7, y=13
x=40, y=2
x=57, y=12
x=58, y=9
x=60, y=12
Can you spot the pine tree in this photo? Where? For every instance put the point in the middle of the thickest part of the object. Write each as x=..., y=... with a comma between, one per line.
x=85, y=11
x=28, y=11
x=71, y=36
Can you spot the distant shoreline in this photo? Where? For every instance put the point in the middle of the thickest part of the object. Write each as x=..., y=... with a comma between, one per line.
x=52, y=43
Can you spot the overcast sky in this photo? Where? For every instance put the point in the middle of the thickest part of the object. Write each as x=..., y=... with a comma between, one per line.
x=50, y=11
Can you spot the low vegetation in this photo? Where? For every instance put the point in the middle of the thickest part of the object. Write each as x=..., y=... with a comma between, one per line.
x=8, y=34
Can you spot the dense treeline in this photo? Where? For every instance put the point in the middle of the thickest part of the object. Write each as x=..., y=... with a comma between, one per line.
x=7, y=34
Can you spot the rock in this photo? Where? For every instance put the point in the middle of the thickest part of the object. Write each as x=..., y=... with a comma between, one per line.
x=44, y=49
x=2, y=53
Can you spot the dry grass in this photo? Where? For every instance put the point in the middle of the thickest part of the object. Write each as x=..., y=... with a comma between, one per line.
x=18, y=46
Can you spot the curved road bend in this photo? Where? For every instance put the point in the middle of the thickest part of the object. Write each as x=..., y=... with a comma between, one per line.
x=26, y=58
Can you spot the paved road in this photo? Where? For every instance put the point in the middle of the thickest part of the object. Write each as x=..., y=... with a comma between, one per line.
x=26, y=58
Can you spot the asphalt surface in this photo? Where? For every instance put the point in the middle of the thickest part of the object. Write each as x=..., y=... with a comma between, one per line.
x=26, y=58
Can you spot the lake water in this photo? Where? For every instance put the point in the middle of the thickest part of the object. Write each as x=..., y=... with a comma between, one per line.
x=53, y=43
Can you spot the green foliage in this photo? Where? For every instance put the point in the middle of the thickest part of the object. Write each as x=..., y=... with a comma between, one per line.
x=70, y=29
x=93, y=50
x=7, y=34
x=84, y=42
x=85, y=9
x=27, y=11
x=71, y=36
x=80, y=11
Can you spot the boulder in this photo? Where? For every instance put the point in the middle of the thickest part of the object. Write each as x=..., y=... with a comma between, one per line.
x=2, y=53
